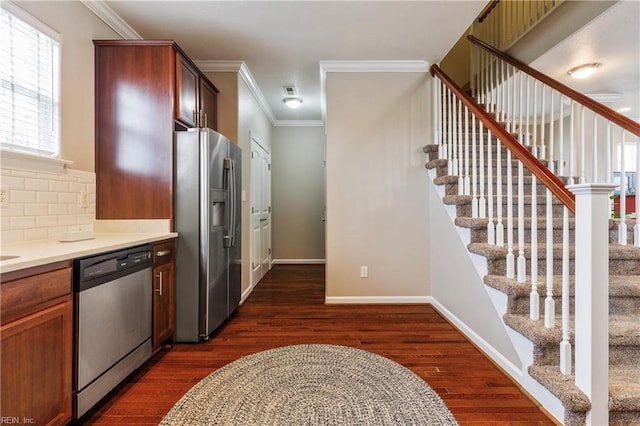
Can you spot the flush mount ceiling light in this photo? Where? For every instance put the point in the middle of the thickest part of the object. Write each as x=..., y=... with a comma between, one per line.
x=584, y=71
x=292, y=102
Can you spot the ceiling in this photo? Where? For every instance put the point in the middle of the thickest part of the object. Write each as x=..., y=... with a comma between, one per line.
x=611, y=39
x=284, y=42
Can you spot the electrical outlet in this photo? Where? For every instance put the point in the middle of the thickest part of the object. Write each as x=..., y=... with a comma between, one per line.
x=4, y=198
x=364, y=272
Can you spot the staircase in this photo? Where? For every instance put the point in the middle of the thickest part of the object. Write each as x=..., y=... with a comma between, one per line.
x=624, y=292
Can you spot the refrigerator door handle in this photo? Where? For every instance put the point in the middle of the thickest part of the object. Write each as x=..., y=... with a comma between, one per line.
x=229, y=205
x=232, y=196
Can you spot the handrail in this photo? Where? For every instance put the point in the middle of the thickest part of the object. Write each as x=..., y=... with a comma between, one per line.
x=603, y=110
x=550, y=180
x=487, y=10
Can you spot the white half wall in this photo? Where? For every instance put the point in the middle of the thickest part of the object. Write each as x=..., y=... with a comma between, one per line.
x=377, y=212
x=460, y=294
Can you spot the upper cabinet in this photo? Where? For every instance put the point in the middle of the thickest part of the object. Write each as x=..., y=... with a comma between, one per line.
x=144, y=90
x=196, y=100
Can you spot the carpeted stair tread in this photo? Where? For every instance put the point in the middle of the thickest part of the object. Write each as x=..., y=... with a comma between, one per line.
x=481, y=222
x=624, y=330
x=619, y=285
x=492, y=252
x=460, y=200
x=563, y=387
x=624, y=387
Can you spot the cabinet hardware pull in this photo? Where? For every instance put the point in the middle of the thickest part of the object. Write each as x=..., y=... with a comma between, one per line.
x=163, y=253
x=159, y=289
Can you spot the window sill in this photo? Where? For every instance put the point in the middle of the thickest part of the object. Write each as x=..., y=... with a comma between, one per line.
x=27, y=161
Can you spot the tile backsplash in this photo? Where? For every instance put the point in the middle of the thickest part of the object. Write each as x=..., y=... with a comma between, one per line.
x=41, y=206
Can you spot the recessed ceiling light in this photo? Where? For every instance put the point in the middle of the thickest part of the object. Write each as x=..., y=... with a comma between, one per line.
x=584, y=71
x=292, y=102
x=624, y=109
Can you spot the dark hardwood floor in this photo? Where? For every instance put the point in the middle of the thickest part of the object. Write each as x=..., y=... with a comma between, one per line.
x=287, y=307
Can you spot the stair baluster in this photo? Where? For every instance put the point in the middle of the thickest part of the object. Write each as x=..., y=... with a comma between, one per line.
x=491, y=226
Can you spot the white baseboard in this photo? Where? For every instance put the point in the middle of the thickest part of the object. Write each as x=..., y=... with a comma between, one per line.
x=483, y=345
x=377, y=300
x=246, y=294
x=298, y=261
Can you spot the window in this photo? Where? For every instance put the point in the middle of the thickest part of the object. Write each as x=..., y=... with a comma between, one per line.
x=29, y=84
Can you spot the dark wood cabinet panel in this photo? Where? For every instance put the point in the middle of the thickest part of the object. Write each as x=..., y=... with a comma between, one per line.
x=36, y=362
x=187, y=108
x=134, y=131
x=144, y=90
x=208, y=105
x=163, y=292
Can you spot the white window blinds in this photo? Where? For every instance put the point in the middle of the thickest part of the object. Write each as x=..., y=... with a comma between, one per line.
x=29, y=88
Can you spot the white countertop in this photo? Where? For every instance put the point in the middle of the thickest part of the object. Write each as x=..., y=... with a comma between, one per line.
x=36, y=253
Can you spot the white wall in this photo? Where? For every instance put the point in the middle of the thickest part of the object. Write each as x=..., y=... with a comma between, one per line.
x=377, y=212
x=252, y=123
x=78, y=26
x=298, y=194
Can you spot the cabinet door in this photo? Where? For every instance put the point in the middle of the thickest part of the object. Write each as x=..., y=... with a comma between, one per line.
x=163, y=310
x=36, y=366
x=208, y=105
x=187, y=81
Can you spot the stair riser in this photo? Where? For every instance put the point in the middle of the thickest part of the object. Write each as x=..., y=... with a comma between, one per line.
x=480, y=235
x=541, y=190
x=618, y=355
x=464, y=210
x=623, y=305
x=616, y=266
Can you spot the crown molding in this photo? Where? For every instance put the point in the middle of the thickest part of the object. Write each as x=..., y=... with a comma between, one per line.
x=112, y=19
x=374, y=66
x=242, y=69
x=298, y=123
x=219, y=66
x=364, y=66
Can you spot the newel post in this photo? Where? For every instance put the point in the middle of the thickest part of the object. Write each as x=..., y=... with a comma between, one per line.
x=592, y=296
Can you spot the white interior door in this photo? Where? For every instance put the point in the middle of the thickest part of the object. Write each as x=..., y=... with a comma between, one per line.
x=260, y=212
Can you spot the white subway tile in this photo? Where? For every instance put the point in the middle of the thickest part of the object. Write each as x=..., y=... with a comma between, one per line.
x=23, y=173
x=47, y=221
x=35, y=234
x=13, y=209
x=22, y=222
x=13, y=182
x=69, y=198
x=58, y=186
x=47, y=197
x=77, y=187
x=86, y=219
x=36, y=184
x=68, y=219
x=5, y=172
x=35, y=209
x=58, y=209
x=5, y=223
x=11, y=236
x=55, y=232
x=22, y=196
x=68, y=178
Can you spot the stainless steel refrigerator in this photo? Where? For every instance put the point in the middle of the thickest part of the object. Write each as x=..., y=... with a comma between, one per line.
x=207, y=206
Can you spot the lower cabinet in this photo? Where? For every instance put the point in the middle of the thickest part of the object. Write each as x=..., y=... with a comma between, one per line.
x=36, y=344
x=163, y=292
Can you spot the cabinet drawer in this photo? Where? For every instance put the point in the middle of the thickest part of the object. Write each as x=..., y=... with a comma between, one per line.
x=27, y=295
x=163, y=252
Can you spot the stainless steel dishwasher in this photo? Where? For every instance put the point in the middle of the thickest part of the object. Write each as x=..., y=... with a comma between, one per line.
x=112, y=321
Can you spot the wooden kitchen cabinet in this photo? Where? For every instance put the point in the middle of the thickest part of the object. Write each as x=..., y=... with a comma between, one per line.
x=144, y=90
x=163, y=292
x=208, y=105
x=36, y=340
x=187, y=106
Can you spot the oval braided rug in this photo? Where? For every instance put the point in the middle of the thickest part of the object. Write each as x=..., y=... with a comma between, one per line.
x=311, y=385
